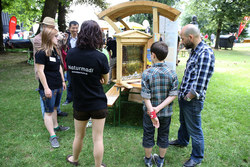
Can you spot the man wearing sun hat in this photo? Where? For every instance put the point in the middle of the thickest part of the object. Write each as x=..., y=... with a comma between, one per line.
x=48, y=22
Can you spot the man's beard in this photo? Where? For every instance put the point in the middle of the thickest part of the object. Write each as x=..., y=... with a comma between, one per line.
x=189, y=45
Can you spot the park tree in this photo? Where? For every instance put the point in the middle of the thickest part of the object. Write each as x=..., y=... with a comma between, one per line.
x=220, y=16
x=1, y=29
x=27, y=11
x=63, y=8
x=51, y=6
x=30, y=11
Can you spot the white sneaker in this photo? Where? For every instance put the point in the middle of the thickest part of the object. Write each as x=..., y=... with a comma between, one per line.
x=89, y=124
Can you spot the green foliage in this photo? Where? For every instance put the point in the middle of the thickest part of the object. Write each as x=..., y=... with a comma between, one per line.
x=139, y=18
x=30, y=11
x=66, y=2
x=98, y=3
x=210, y=12
x=26, y=11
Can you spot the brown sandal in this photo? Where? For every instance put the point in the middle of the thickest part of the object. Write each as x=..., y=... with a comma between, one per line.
x=73, y=163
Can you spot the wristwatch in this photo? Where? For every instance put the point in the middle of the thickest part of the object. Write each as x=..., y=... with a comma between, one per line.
x=188, y=99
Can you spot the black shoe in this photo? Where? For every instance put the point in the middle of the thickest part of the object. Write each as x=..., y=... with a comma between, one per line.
x=61, y=128
x=175, y=143
x=62, y=114
x=66, y=103
x=158, y=161
x=190, y=163
x=148, y=162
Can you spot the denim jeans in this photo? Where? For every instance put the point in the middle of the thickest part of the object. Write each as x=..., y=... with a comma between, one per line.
x=42, y=106
x=190, y=120
x=69, y=88
x=50, y=103
x=43, y=109
x=149, y=132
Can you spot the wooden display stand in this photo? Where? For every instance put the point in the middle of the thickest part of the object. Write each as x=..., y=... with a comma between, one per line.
x=130, y=37
x=133, y=38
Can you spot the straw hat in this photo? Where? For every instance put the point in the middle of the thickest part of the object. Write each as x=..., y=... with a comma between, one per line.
x=48, y=21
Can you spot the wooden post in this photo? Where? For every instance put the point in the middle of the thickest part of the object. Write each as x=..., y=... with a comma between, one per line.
x=158, y=24
x=119, y=61
x=125, y=25
x=107, y=19
x=145, y=56
x=155, y=21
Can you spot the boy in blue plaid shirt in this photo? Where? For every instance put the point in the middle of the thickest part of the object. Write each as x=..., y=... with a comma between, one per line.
x=159, y=89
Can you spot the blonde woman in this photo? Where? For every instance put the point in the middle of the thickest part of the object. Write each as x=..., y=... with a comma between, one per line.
x=51, y=81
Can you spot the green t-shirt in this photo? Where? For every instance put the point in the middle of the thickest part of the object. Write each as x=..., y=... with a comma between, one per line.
x=104, y=51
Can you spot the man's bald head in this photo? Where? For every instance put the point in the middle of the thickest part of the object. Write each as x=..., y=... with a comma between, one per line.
x=190, y=36
x=191, y=29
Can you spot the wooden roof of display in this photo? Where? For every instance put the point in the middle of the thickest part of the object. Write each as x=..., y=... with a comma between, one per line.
x=133, y=34
x=120, y=11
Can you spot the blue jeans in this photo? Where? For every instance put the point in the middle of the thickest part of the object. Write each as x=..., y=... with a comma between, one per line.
x=50, y=103
x=69, y=88
x=190, y=120
x=149, y=132
x=43, y=109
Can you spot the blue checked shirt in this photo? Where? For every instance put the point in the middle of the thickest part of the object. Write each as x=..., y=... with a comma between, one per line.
x=159, y=82
x=199, y=69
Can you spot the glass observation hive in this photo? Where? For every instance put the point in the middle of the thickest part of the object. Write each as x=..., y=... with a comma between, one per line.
x=131, y=55
x=132, y=62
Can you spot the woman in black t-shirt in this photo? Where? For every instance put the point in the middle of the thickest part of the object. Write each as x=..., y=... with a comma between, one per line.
x=88, y=69
x=51, y=81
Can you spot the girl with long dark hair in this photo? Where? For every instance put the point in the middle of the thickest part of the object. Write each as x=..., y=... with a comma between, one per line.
x=88, y=71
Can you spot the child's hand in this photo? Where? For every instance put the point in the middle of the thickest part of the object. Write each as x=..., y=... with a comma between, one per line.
x=154, y=119
x=156, y=122
x=156, y=109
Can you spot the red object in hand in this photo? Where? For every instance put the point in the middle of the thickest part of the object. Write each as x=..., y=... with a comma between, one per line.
x=206, y=36
x=12, y=26
x=153, y=114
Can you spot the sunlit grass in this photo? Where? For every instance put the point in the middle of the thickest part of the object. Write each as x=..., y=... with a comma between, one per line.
x=225, y=120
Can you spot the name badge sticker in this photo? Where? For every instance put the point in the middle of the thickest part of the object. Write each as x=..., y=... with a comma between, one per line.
x=53, y=59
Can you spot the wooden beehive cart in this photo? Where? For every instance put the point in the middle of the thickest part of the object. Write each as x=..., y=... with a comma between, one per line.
x=132, y=45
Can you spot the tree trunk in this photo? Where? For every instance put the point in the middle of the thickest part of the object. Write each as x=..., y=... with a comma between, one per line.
x=1, y=29
x=49, y=10
x=61, y=17
x=218, y=34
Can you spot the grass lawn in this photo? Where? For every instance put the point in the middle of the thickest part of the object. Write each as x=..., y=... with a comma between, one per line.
x=225, y=120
